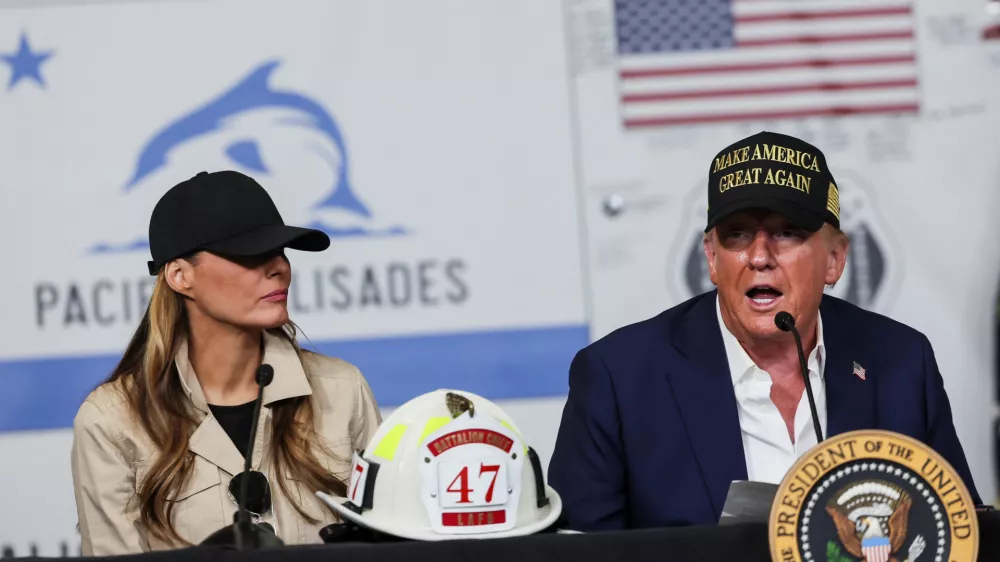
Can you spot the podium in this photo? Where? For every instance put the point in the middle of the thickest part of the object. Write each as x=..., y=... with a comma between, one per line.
x=743, y=542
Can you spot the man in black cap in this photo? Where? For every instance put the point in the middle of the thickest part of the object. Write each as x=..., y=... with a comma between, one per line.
x=664, y=414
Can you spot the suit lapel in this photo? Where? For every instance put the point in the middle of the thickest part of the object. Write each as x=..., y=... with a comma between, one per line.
x=850, y=400
x=705, y=398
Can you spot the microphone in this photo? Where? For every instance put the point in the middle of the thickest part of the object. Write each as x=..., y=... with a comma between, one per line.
x=786, y=323
x=243, y=533
x=264, y=376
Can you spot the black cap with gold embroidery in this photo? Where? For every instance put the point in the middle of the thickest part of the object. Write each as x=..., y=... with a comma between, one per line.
x=777, y=172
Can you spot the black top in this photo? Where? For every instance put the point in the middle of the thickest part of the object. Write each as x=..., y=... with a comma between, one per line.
x=236, y=420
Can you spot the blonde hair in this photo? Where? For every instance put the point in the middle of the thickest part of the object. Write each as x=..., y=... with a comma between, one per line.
x=835, y=235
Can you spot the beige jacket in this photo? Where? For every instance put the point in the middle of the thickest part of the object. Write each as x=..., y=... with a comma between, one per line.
x=111, y=454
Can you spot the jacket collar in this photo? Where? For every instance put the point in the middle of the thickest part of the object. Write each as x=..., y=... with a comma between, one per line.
x=289, y=381
x=210, y=440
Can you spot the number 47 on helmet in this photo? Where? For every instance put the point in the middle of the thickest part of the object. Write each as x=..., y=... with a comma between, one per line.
x=447, y=465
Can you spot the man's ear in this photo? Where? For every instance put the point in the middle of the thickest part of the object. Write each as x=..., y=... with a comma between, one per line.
x=708, y=243
x=179, y=274
x=838, y=245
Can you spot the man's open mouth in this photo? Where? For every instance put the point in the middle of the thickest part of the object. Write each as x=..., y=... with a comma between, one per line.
x=763, y=294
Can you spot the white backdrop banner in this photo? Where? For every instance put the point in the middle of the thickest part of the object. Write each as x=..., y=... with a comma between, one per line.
x=899, y=95
x=431, y=140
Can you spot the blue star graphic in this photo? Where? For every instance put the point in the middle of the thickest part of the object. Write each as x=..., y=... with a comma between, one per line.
x=25, y=63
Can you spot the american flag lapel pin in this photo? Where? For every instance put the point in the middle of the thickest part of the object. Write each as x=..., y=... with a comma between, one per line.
x=859, y=371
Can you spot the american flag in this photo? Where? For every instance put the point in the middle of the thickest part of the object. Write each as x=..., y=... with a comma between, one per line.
x=859, y=370
x=707, y=61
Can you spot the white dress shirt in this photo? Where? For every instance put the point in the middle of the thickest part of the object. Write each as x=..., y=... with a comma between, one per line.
x=769, y=451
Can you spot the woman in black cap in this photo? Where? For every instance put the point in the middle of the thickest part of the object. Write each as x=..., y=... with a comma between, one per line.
x=158, y=449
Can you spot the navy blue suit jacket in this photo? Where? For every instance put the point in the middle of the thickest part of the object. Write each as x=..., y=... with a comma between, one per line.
x=650, y=435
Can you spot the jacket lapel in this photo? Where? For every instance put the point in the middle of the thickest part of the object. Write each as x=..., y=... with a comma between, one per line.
x=213, y=443
x=290, y=380
x=850, y=400
x=210, y=440
x=703, y=389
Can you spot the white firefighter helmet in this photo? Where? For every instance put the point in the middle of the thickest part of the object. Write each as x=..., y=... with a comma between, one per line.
x=448, y=465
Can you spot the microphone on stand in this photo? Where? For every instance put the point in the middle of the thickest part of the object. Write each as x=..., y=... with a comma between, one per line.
x=786, y=323
x=244, y=533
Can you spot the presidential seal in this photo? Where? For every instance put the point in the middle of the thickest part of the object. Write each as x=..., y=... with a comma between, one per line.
x=873, y=496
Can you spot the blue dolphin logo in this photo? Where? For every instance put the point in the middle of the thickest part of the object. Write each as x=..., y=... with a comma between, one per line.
x=253, y=93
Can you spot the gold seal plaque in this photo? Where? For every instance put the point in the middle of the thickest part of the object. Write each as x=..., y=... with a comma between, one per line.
x=873, y=496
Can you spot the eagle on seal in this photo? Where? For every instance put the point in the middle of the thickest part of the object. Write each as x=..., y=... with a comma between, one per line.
x=871, y=518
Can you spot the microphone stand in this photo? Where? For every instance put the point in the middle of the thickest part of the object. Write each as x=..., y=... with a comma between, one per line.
x=241, y=521
x=243, y=533
x=786, y=323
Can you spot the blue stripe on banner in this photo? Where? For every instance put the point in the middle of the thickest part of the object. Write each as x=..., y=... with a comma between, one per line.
x=524, y=363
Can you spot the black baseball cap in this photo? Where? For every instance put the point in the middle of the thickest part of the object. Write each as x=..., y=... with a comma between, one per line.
x=777, y=172
x=227, y=213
